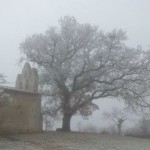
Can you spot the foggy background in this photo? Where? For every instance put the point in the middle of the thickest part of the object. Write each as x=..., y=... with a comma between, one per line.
x=20, y=18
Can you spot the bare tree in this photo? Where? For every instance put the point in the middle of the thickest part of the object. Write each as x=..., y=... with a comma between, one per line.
x=117, y=116
x=79, y=63
x=49, y=115
x=2, y=79
x=5, y=98
x=144, y=125
x=48, y=122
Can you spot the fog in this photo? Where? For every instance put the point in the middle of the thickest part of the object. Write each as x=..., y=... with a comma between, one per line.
x=20, y=18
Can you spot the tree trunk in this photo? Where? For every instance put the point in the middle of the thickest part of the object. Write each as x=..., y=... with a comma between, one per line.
x=119, y=128
x=66, y=122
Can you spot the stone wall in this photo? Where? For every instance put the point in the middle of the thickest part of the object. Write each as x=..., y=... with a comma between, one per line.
x=22, y=114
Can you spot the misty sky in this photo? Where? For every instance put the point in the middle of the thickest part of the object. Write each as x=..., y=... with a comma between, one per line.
x=20, y=18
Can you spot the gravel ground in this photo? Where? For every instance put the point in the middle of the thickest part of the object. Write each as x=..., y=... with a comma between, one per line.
x=72, y=141
x=7, y=144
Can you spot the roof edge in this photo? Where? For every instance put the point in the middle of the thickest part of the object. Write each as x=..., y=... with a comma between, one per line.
x=17, y=90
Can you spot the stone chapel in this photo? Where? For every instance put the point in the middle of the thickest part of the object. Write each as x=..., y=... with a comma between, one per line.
x=23, y=113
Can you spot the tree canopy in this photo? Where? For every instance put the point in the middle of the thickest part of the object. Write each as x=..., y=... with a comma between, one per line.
x=80, y=63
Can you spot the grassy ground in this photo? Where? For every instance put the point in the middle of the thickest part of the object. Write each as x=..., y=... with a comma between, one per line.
x=74, y=141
